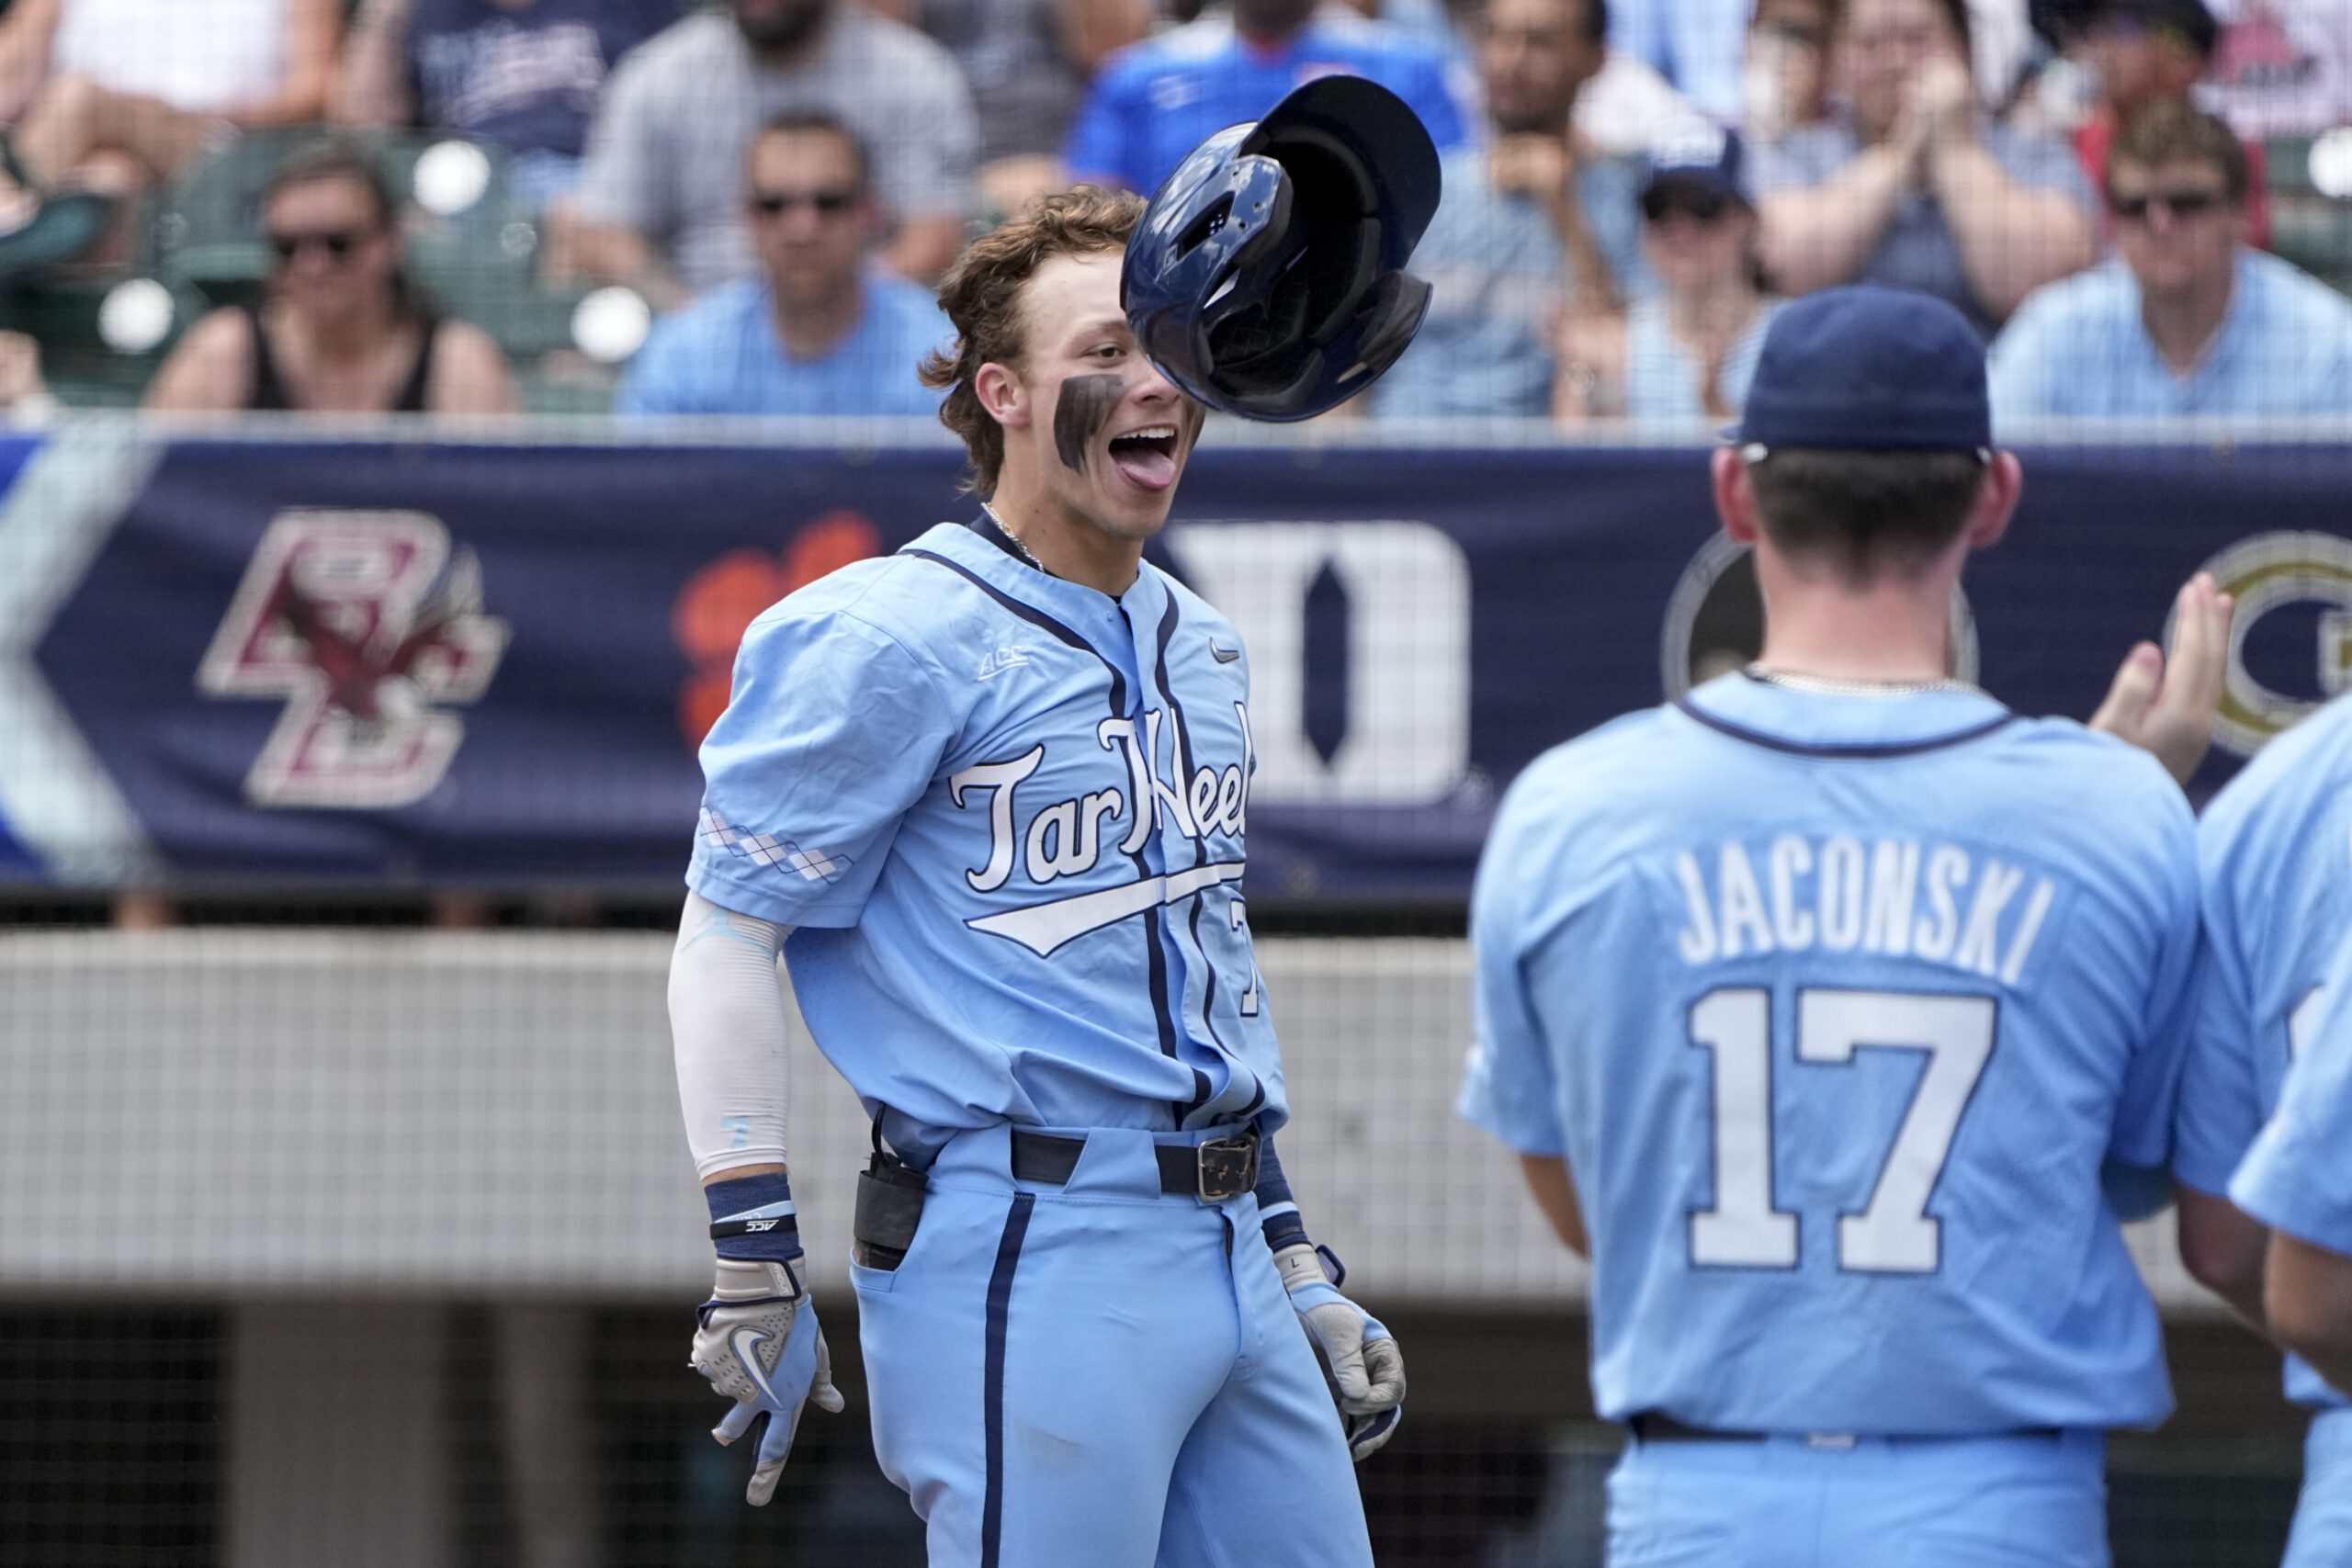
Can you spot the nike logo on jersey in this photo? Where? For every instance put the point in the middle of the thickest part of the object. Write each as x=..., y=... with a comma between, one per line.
x=745, y=1343
x=1223, y=655
x=1001, y=659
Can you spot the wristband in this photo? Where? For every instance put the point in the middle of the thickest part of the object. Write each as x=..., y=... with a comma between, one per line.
x=752, y=1219
x=1277, y=1210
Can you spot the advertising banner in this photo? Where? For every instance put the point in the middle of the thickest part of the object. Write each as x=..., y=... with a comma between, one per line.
x=244, y=663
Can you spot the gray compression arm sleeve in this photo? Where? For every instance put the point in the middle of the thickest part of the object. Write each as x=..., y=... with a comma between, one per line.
x=727, y=1029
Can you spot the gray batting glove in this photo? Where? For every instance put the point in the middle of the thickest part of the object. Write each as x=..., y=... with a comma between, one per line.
x=759, y=1345
x=1361, y=1358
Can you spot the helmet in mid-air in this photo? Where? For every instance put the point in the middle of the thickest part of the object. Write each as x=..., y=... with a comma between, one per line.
x=1267, y=276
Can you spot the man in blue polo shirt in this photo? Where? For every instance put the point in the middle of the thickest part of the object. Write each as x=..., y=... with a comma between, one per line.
x=824, y=331
x=1155, y=101
x=2193, y=321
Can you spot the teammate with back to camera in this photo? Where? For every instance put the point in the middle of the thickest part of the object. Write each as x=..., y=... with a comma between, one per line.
x=1836, y=1012
x=2272, y=850
x=994, y=790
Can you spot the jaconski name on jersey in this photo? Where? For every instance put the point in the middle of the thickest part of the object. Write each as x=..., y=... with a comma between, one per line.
x=1895, y=898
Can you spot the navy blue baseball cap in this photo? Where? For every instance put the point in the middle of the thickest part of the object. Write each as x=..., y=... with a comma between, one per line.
x=1871, y=369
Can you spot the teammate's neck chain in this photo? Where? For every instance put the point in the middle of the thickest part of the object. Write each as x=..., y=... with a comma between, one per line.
x=1013, y=539
x=1842, y=686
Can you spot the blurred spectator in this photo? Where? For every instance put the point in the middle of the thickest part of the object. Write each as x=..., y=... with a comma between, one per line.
x=2281, y=67
x=1028, y=63
x=659, y=205
x=1534, y=225
x=821, y=333
x=118, y=96
x=1697, y=45
x=2192, y=321
x=342, y=331
x=1784, y=85
x=1627, y=109
x=1685, y=354
x=523, y=75
x=1154, y=102
x=1916, y=191
x=2133, y=54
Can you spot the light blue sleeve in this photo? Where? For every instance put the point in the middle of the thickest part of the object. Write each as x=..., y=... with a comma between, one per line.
x=2220, y=1098
x=2296, y=1178
x=1509, y=1089
x=834, y=730
x=664, y=377
x=1102, y=134
x=2150, y=1093
x=2021, y=365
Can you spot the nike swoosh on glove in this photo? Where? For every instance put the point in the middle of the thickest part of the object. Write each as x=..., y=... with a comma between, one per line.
x=1361, y=1358
x=758, y=1342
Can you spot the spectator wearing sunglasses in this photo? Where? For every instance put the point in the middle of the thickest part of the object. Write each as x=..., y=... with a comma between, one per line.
x=2191, y=321
x=824, y=329
x=341, y=331
x=1685, y=354
x=2128, y=54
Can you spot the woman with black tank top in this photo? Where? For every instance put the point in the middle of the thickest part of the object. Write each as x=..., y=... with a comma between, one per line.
x=341, y=331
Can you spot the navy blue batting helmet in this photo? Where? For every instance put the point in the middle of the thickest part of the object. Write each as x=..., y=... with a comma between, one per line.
x=1267, y=277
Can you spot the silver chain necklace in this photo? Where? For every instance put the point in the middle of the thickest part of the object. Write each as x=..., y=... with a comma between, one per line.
x=1019, y=548
x=1835, y=686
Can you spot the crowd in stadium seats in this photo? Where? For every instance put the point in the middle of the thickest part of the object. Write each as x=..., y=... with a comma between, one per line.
x=768, y=184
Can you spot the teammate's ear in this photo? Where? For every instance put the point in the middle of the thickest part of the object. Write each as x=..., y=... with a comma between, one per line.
x=1996, y=501
x=1734, y=495
x=1001, y=393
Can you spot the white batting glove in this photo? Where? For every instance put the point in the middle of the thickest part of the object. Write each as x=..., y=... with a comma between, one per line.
x=759, y=1345
x=1361, y=1358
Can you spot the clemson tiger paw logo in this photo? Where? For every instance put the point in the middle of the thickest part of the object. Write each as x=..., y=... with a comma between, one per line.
x=720, y=603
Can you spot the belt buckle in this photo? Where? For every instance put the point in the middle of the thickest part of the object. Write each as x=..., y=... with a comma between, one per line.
x=1228, y=1168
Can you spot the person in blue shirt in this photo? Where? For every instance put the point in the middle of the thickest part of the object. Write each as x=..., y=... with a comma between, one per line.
x=825, y=331
x=2192, y=321
x=1912, y=187
x=1825, y=1018
x=2272, y=855
x=1536, y=225
x=524, y=74
x=991, y=796
x=1153, y=102
x=1684, y=355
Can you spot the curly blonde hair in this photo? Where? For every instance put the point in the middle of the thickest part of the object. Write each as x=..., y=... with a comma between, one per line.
x=981, y=295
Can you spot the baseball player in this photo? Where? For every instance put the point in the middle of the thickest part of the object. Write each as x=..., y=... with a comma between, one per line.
x=989, y=796
x=1816, y=1001
x=2275, y=854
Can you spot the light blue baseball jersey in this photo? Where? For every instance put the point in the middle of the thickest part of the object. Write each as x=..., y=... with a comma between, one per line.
x=2275, y=856
x=1005, y=815
x=2296, y=1178
x=1836, y=1006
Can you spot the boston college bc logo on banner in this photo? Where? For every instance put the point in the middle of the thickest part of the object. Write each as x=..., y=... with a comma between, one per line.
x=367, y=627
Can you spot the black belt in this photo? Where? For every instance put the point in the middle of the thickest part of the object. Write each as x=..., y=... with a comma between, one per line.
x=1656, y=1427
x=1212, y=1172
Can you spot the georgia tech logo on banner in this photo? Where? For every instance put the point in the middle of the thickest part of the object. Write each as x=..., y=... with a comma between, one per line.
x=2265, y=574
x=1714, y=622
x=367, y=625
